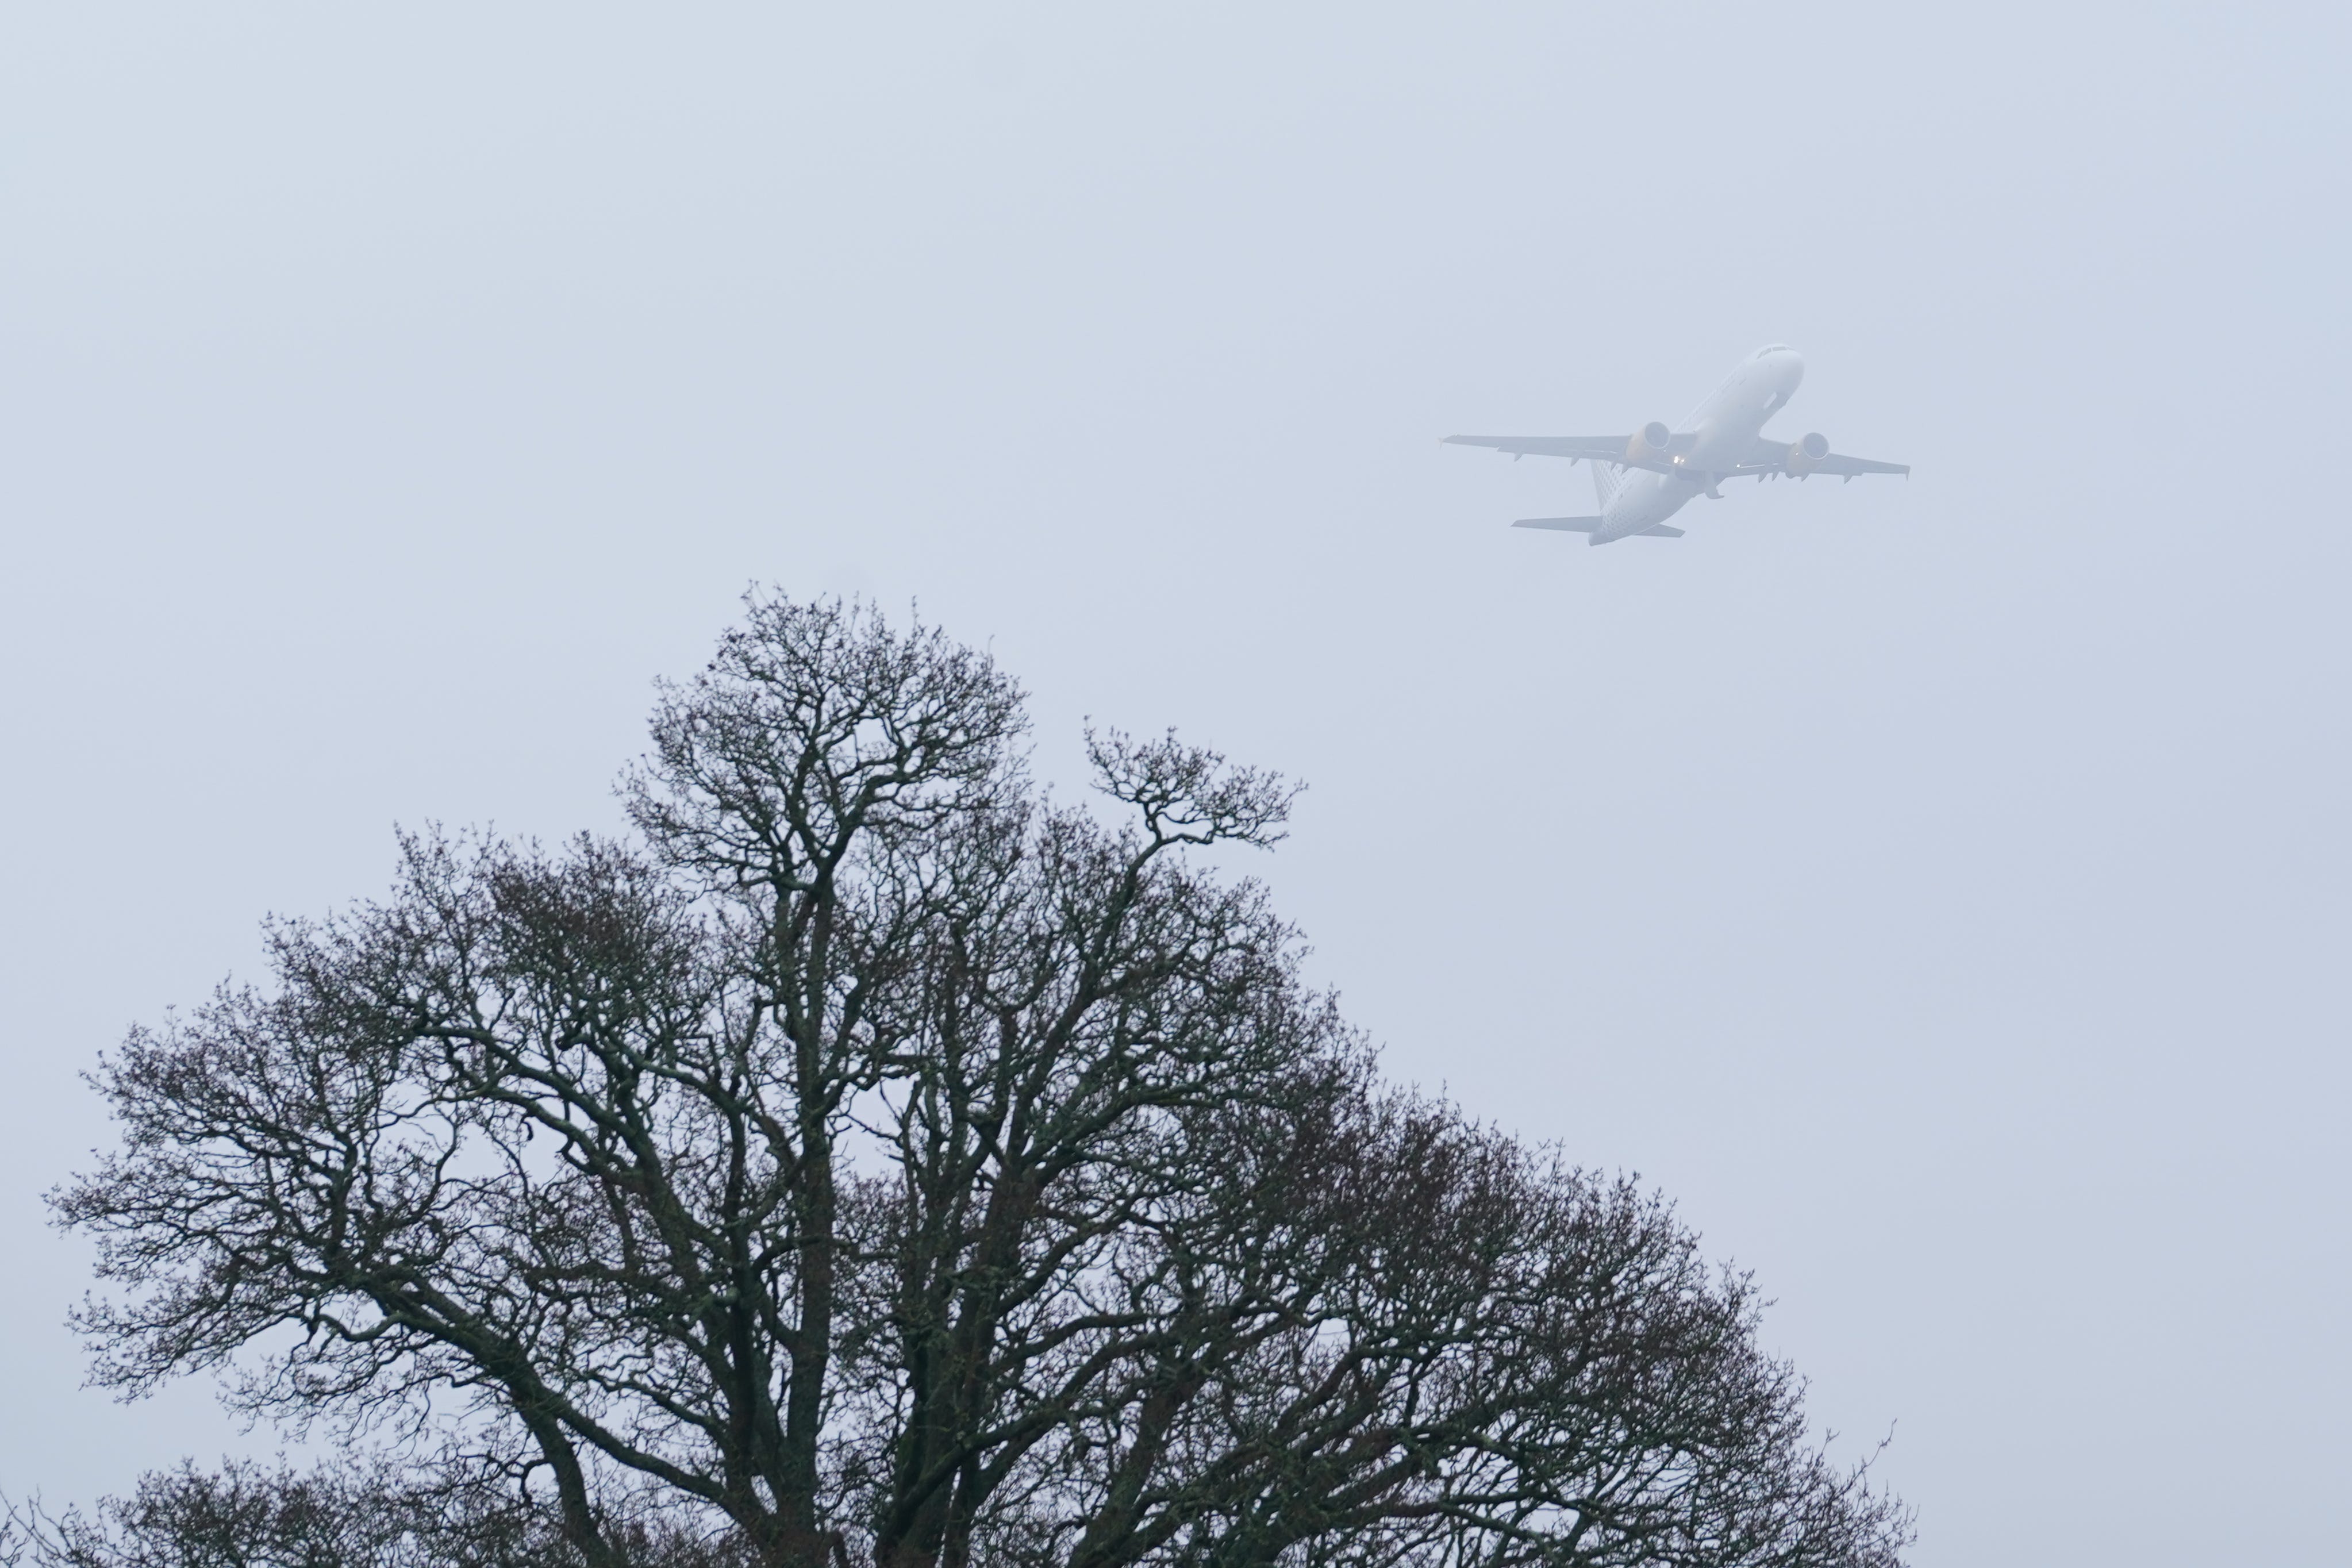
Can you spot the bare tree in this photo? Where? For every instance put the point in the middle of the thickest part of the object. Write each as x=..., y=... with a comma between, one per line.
x=879, y=1162
x=364, y=1512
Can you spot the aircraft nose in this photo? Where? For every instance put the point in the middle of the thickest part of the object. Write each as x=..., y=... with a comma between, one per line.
x=1791, y=366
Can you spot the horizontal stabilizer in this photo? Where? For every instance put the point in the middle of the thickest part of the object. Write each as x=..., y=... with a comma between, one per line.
x=1592, y=525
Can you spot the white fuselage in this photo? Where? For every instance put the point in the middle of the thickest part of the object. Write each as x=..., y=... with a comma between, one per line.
x=1727, y=426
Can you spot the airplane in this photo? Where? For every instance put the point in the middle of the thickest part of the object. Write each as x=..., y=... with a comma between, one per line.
x=1646, y=477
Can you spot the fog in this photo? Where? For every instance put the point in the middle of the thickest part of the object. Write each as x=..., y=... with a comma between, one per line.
x=1938, y=886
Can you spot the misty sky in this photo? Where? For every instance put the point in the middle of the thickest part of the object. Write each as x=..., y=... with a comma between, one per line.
x=1938, y=887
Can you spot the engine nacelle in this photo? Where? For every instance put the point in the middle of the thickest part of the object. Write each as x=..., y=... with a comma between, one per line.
x=1805, y=455
x=1649, y=442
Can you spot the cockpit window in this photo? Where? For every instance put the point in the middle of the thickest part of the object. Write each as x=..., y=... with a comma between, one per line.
x=1771, y=349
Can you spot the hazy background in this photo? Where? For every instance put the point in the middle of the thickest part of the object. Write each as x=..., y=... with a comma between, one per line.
x=1938, y=887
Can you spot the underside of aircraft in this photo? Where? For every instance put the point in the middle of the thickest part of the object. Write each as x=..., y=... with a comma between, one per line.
x=1644, y=477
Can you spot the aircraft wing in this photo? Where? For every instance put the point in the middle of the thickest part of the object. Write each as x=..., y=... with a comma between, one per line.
x=1770, y=457
x=1600, y=449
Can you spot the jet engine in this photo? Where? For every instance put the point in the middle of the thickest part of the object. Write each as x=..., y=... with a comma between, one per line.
x=1649, y=442
x=1804, y=454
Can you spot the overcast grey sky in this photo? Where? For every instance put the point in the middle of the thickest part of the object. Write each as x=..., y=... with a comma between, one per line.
x=1938, y=887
